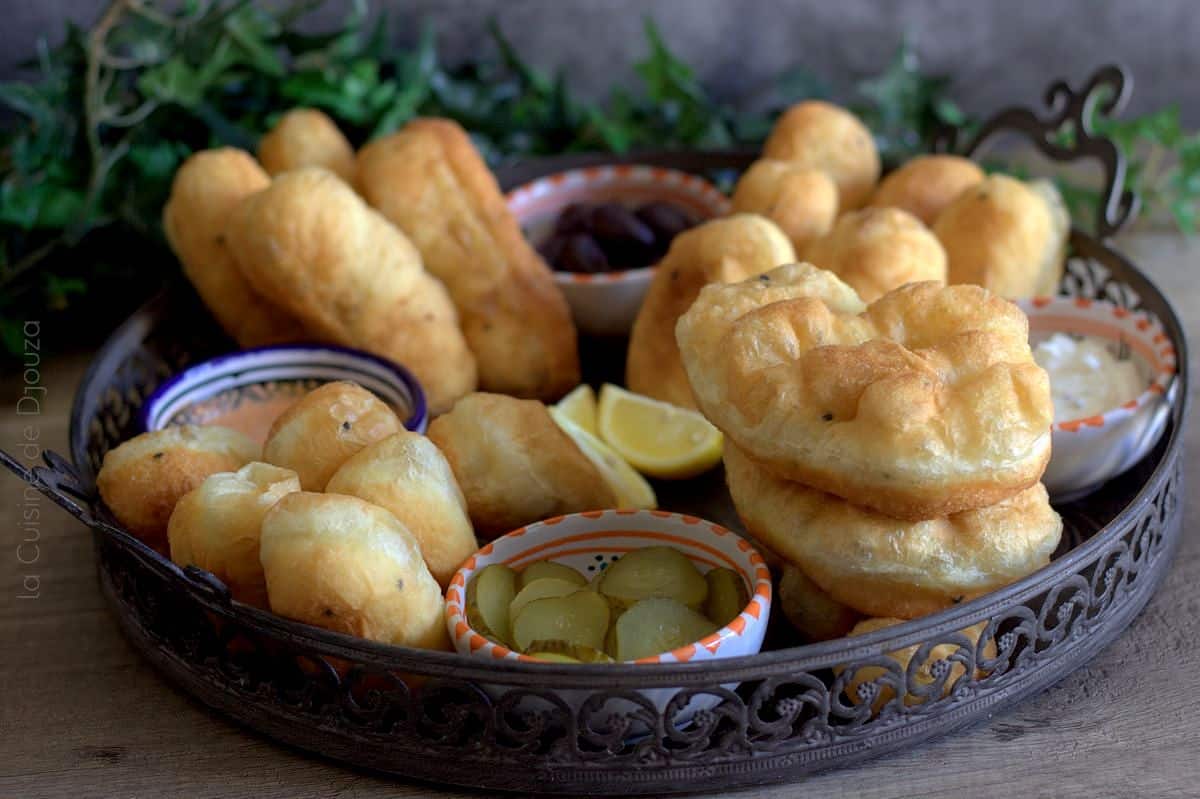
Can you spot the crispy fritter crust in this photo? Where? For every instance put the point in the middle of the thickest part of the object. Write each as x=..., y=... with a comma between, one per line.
x=723, y=250
x=306, y=137
x=430, y=181
x=206, y=189
x=316, y=249
x=881, y=566
x=407, y=474
x=803, y=201
x=340, y=563
x=514, y=465
x=926, y=403
x=143, y=478
x=926, y=185
x=876, y=250
x=1006, y=235
x=823, y=136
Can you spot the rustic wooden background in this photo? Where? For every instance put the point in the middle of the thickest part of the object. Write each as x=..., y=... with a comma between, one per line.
x=83, y=716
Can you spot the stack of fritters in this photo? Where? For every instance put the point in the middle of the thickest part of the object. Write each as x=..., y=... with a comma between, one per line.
x=890, y=452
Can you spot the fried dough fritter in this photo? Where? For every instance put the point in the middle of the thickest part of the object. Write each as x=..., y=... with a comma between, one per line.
x=1006, y=235
x=326, y=426
x=206, y=189
x=723, y=250
x=514, y=464
x=813, y=612
x=340, y=563
x=821, y=135
x=314, y=247
x=924, y=676
x=306, y=137
x=926, y=185
x=430, y=181
x=876, y=250
x=878, y=565
x=216, y=526
x=408, y=475
x=801, y=200
x=926, y=403
x=141, y=480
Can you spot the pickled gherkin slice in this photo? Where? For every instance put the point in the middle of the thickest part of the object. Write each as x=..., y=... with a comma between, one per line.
x=579, y=619
x=657, y=625
x=727, y=595
x=540, y=589
x=573, y=653
x=488, y=597
x=654, y=572
x=542, y=569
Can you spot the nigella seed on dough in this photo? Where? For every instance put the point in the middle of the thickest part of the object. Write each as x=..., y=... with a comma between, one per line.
x=827, y=417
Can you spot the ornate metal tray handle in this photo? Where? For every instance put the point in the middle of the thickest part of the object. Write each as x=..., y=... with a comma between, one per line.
x=62, y=483
x=1068, y=134
x=59, y=481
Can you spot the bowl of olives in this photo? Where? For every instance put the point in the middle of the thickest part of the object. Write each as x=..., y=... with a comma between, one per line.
x=602, y=230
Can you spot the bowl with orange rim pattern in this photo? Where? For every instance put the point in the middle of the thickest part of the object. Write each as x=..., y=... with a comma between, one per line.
x=588, y=542
x=1091, y=450
x=607, y=303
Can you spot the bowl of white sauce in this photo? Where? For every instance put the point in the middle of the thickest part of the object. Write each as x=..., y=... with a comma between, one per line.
x=1112, y=379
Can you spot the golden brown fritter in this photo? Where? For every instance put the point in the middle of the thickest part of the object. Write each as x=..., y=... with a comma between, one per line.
x=316, y=249
x=821, y=135
x=206, y=189
x=879, y=565
x=803, y=201
x=926, y=403
x=216, y=526
x=1006, y=235
x=514, y=465
x=326, y=426
x=875, y=250
x=340, y=563
x=722, y=250
x=926, y=185
x=813, y=612
x=429, y=180
x=407, y=474
x=306, y=137
x=923, y=674
x=141, y=480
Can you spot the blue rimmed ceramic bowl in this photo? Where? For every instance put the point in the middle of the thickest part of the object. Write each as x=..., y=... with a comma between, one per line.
x=247, y=390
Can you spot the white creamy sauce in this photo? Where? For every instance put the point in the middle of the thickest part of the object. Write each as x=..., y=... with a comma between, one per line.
x=1085, y=378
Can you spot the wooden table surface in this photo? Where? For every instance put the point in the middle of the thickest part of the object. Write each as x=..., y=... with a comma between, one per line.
x=83, y=716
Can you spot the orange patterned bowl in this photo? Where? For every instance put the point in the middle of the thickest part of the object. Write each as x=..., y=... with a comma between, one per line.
x=607, y=303
x=588, y=542
x=1087, y=452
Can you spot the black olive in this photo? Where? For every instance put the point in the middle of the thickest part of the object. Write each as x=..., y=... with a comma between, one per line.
x=575, y=218
x=552, y=248
x=581, y=253
x=666, y=220
x=616, y=223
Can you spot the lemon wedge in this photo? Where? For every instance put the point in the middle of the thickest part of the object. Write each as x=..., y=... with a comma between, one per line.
x=631, y=488
x=580, y=407
x=658, y=438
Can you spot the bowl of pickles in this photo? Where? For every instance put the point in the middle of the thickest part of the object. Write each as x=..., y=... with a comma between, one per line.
x=613, y=586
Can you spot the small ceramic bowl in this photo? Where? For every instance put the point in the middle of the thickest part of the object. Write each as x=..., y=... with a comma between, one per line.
x=588, y=542
x=247, y=390
x=1089, y=451
x=607, y=303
